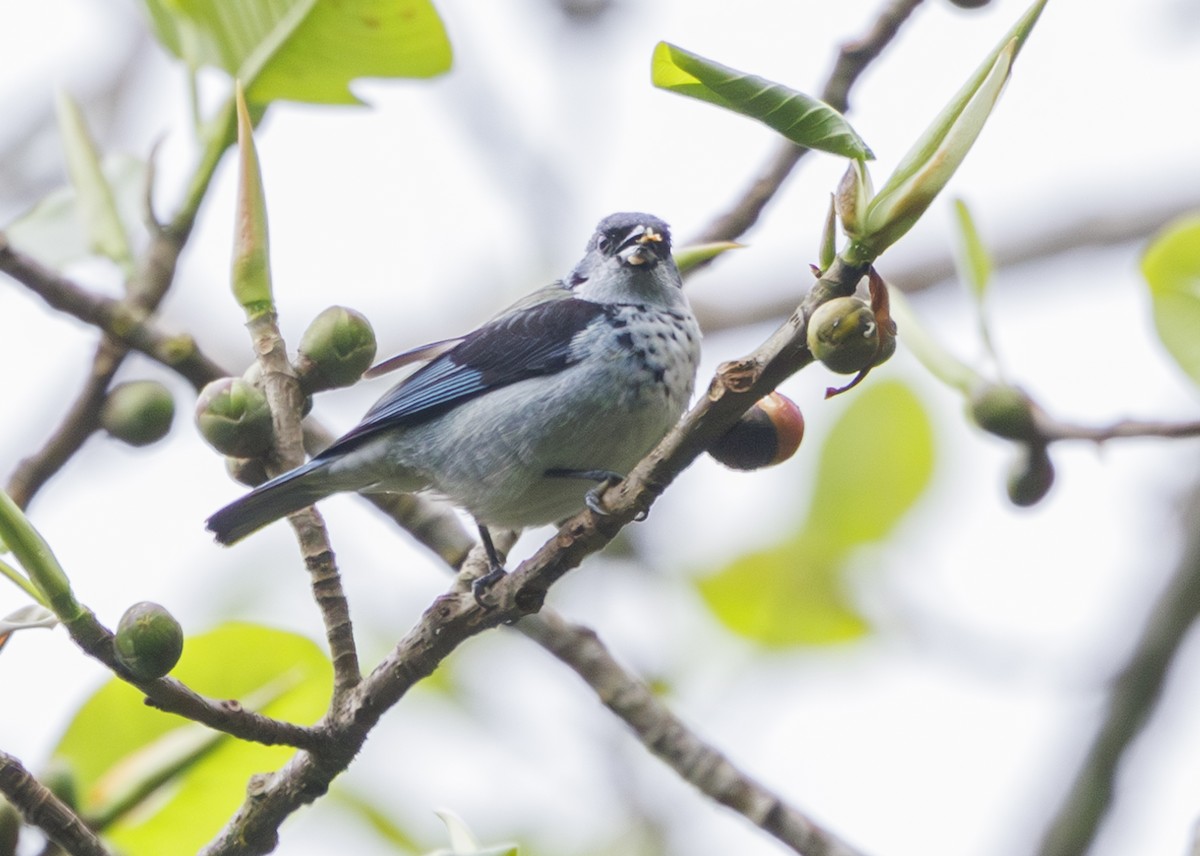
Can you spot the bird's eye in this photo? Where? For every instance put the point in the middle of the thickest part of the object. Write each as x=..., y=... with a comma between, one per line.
x=603, y=242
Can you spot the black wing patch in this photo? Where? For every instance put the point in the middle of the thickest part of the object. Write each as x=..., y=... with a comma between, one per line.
x=531, y=342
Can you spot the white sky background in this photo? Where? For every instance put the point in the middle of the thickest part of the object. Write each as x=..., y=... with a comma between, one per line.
x=950, y=731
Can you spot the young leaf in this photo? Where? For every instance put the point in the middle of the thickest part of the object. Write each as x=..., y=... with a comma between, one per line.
x=803, y=119
x=940, y=362
x=937, y=154
x=694, y=255
x=1171, y=267
x=974, y=262
x=54, y=231
x=304, y=50
x=96, y=203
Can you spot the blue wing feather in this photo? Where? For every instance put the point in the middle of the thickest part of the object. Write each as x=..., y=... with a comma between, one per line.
x=535, y=340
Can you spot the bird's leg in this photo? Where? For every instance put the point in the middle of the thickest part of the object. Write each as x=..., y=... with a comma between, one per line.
x=495, y=569
x=591, y=499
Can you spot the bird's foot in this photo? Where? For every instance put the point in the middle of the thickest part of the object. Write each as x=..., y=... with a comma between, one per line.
x=591, y=499
x=482, y=585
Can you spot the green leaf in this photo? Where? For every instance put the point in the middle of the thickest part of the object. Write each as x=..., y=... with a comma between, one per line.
x=115, y=741
x=692, y=256
x=801, y=118
x=54, y=230
x=1171, y=267
x=790, y=594
x=304, y=50
x=939, y=361
x=937, y=154
x=876, y=463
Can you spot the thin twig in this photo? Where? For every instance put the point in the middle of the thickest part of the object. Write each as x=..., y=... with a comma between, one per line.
x=1134, y=695
x=169, y=695
x=44, y=810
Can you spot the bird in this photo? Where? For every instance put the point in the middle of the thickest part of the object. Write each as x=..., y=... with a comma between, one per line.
x=523, y=420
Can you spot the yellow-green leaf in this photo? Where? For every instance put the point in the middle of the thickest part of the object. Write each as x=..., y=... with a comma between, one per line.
x=1171, y=267
x=304, y=50
x=790, y=594
x=877, y=461
x=693, y=255
x=804, y=120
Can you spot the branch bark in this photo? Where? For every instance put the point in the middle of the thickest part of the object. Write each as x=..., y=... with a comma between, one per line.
x=40, y=808
x=1134, y=696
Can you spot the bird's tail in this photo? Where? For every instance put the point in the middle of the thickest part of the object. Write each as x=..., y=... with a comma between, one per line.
x=270, y=501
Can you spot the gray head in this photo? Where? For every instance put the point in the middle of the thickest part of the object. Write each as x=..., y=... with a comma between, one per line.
x=628, y=260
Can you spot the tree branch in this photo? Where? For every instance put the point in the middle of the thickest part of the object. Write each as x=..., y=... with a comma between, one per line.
x=1133, y=698
x=44, y=810
x=665, y=735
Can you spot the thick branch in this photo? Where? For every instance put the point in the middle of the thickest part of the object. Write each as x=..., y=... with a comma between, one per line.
x=44, y=810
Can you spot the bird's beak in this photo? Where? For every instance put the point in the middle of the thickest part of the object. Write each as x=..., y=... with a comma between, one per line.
x=641, y=247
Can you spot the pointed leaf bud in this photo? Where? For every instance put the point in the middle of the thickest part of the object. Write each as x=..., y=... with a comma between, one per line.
x=234, y=418
x=767, y=434
x=139, y=412
x=337, y=347
x=853, y=195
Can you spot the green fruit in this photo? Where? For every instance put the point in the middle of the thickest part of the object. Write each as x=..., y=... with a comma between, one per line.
x=148, y=641
x=335, y=350
x=767, y=434
x=1031, y=476
x=139, y=412
x=234, y=418
x=1005, y=411
x=844, y=336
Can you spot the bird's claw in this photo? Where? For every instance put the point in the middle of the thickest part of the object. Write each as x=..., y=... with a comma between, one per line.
x=481, y=586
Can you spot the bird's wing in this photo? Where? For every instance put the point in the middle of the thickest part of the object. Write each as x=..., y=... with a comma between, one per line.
x=532, y=341
x=421, y=354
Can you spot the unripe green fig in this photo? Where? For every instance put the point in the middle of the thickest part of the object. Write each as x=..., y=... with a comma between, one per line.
x=1003, y=410
x=767, y=434
x=234, y=418
x=138, y=412
x=335, y=350
x=844, y=336
x=149, y=641
x=1031, y=476
x=970, y=4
